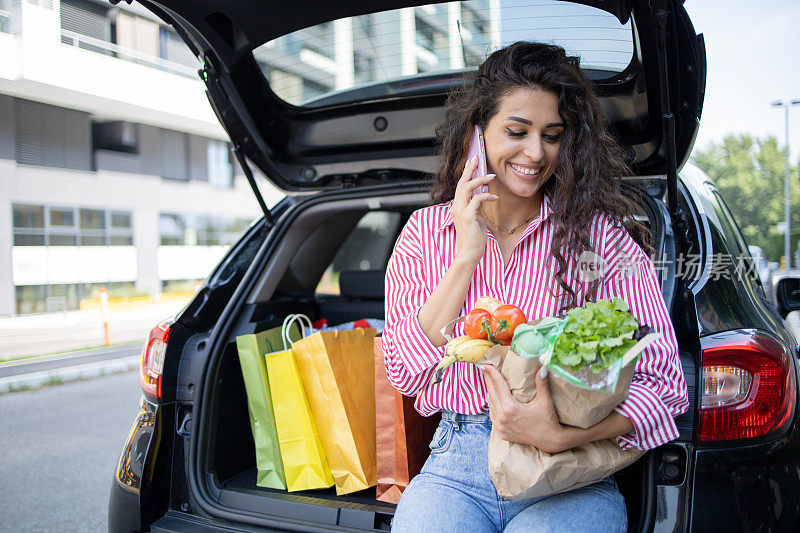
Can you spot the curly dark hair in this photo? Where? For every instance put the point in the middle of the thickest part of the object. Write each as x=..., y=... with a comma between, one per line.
x=588, y=175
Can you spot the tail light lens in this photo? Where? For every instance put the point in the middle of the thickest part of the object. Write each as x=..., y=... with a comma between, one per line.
x=152, y=364
x=747, y=384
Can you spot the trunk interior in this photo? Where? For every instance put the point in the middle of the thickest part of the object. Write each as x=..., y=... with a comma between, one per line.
x=312, y=271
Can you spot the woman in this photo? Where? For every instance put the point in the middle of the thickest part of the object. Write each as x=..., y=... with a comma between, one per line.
x=554, y=193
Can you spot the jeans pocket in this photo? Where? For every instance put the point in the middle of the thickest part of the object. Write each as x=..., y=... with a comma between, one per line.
x=441, y=438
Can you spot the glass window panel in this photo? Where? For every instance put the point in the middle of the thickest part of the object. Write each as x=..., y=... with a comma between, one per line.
x=388, y=50
x=120, y=220
x=28, y=216
x=23, y=239
x=62, y=240
x=93, y=240
x=31, y=298
x=171, y=229
x=220, y=169
x=120, y=240
x=366, y=248
x=93, y=219
x=62, y=217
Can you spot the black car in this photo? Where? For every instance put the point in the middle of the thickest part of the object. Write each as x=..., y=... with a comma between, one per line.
x=354, y=157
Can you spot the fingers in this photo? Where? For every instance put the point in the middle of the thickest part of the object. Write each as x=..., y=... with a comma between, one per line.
x=542, y=385
x=478, y=199
x=491, y=393
x=500, y=391
x=464, y=191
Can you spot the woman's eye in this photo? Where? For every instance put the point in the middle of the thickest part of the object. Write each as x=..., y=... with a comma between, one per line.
x=552, y=138
x=515, y=133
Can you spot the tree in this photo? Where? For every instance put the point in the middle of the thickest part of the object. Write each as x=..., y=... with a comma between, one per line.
x=749, y=173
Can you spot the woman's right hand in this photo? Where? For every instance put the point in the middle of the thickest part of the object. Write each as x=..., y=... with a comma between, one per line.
x=469, y=223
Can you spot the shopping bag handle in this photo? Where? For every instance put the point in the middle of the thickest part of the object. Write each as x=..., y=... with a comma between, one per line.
x=302, y=321
x=639, y=347
x=447, y=330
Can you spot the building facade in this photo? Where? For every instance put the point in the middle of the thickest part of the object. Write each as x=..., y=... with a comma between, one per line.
x=114, y=171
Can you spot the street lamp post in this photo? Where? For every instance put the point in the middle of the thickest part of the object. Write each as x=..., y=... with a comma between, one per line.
x=787, y=212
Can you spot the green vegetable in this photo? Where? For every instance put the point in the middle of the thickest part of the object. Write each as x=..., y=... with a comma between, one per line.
x=598, y=334
x=530, y=340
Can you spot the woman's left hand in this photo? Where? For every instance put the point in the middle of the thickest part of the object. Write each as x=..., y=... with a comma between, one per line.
x=534, y=423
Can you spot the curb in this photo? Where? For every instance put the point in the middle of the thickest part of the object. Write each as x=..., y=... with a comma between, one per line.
x=69, y=373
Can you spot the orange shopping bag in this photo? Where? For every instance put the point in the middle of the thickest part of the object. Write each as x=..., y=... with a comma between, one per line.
x=336, y=369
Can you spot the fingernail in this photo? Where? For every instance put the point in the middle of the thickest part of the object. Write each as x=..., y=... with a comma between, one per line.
x=491, y=175
x=543, y=372
x=495, y=197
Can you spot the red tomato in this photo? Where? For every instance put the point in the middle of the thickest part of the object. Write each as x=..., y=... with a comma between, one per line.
x=505, y=320
x=476, y=325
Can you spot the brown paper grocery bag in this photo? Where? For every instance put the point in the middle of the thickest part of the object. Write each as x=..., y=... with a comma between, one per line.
x=521, y=471
x=336, y=369
x=403, y=435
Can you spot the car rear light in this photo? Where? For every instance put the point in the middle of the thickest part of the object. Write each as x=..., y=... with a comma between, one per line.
x=152, y=364
x=748, y=386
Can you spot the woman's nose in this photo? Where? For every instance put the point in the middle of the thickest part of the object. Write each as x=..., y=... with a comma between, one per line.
x=534, y=149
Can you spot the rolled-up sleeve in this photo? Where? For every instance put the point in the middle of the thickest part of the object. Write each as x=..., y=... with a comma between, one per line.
x=658, y=390
x=408, y=353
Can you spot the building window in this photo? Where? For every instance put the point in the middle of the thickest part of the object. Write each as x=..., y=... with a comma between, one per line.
x=118, y=136
x=200, y=230
x=363, y=67
x=85, y=24
x=312, y=89
x=174, y=155
x=51, y=136
x=28, y=225
x=220, y=168
x=62, y=230
x=66, y=296
x=172, y=48
x=36, y=225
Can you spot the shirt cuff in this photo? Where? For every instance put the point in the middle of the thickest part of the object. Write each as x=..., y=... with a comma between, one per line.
x=414, y=347
x=652, y=421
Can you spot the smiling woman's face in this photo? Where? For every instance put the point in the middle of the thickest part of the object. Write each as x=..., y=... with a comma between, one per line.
x=522, y=142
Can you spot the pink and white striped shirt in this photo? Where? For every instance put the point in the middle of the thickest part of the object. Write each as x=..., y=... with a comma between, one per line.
x=427, y=247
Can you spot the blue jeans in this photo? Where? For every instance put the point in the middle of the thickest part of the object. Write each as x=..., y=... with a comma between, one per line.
x=455, y=493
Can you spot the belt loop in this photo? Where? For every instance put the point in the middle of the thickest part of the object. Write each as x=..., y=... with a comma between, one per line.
x=456, y=425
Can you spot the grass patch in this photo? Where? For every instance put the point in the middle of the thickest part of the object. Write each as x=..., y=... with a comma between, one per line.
x=54, y=380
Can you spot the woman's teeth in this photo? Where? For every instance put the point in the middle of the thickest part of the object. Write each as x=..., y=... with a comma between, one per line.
x=524, y=170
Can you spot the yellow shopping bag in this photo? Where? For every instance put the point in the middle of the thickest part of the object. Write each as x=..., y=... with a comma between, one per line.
x=304, y=463
x=337, y=369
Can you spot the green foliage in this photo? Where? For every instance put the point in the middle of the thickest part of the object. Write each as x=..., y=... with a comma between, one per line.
x=598, y=334
x=749, y=173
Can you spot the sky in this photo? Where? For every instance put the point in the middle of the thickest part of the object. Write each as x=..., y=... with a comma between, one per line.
x=753, y=56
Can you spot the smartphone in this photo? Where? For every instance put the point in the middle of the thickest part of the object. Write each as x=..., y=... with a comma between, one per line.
x=478, y=147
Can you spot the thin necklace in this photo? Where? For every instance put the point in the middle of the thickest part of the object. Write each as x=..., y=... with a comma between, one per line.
x=509, y=231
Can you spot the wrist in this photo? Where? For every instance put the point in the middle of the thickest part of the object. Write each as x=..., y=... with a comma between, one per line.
x=464, y=261
x=570, y=438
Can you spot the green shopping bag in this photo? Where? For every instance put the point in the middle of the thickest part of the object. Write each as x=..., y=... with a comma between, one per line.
x=252, y=349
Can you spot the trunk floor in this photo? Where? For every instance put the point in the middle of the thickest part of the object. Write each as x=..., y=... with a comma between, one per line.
x=246, y=482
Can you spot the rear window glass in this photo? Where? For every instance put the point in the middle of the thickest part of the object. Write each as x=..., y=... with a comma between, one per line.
x=323, y=64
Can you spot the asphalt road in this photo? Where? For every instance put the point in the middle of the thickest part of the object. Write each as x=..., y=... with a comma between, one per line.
x=59, y=447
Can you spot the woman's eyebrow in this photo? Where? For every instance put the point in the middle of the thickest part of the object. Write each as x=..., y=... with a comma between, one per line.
x=523, y=120
x=529, y=123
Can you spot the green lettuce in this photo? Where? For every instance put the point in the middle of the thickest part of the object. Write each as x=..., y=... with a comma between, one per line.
x=598, y=334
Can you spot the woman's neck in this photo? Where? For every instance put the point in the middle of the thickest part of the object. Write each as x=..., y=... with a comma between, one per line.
x=510, y=211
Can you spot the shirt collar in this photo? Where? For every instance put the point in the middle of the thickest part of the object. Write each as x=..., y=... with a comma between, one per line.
x=544, y=213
